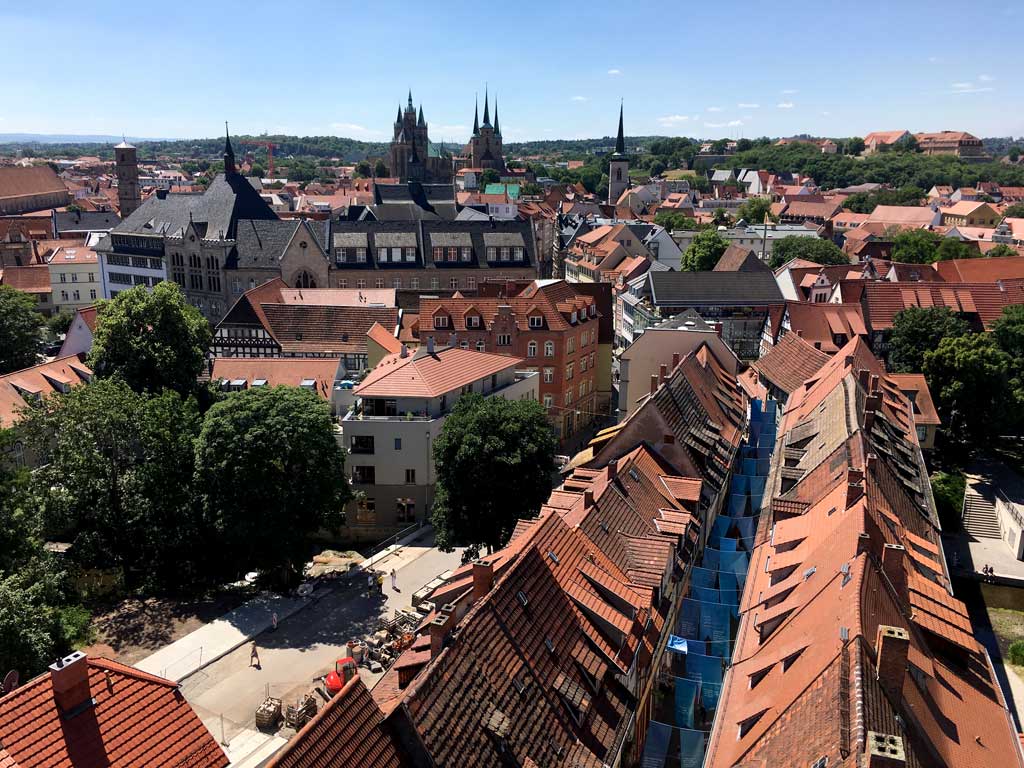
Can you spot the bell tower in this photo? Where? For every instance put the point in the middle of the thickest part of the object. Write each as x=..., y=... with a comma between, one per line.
x=618, y=166
x=126, y=164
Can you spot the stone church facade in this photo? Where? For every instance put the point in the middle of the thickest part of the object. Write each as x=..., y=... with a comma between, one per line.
x=484, y=149
x=412, y=157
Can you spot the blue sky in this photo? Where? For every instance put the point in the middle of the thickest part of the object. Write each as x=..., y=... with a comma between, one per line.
x=559, y=69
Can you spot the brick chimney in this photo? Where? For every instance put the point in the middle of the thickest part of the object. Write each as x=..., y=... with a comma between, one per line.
x=662, y=373
x=874, y=383
x=613, y=470
x=675, y=360
x=440, y=627
x=483, y=579
x=892, y=646
x=854, y=490
x=893, y=556
x=588, y=498
x=654, y=383
x=883, y=750
x=864, y=378
x=69, y=678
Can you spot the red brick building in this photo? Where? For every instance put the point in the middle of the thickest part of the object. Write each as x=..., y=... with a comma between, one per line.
x=550, y=324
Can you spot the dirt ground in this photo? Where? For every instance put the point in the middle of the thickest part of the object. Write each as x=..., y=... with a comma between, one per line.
x=133, y=629
x=1008, y=626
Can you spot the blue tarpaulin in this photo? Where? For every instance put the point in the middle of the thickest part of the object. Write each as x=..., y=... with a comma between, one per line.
x=714, y=621
x=692, y=745
x=677, y=644
x=703, y=577
x=687, y=692
x=656, y=745
x=707, y=669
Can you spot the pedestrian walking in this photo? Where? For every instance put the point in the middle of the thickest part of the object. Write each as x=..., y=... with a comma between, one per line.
x=254, y=656
x=394, y=580
x=380, y=584
x=370, y=583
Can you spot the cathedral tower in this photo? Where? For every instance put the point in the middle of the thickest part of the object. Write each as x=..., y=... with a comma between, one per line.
x=618, y=167
x=127, y=169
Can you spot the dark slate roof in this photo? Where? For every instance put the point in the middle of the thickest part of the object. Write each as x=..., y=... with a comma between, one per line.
x=215, y=212
x=700, y=289
x=261, y=242
x=79, y=221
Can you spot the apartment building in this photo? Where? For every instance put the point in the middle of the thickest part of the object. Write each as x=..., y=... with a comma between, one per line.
x=75, y=277
x=390, y=433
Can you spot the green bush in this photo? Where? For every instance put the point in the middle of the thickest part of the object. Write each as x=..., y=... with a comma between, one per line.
x=1017, y=652
x=948, y=489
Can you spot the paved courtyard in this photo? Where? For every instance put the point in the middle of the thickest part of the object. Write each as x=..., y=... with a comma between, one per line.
x=305, y=646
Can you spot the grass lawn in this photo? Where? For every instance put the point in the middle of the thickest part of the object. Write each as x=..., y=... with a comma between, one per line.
x=680, y=173
x=1008, y=626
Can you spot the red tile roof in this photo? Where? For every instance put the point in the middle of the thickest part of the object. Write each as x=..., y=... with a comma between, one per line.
x=349, y=732
x=915, y=387
x=882, y=301
x=984, y=270
x=554, y=301
x=32, y=279
x=385, y=338
x=790, y=362
x=135, y=719
x=18, y=181
x=279, y=371
x=20, y=388
x=422, y=374
x=820, y=323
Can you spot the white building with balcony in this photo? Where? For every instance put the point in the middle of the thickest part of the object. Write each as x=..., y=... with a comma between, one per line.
x=399, y=411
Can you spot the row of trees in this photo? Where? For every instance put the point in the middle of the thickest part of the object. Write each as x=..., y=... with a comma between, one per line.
x=173, y=485
x=921, y=246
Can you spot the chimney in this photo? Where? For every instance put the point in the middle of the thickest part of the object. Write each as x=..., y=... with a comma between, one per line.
x=718, y=330
x=662, y=373
x=404, y=353
x=613, y=470
x=69, y=678
x=668, y=439
x=891, y=648
x=654, y=383
x=874, y=383
x=854, y=490
x=869, y=462
x=483, y=579
x=864, y=378
x=883, y=750
x=439, y=628
x=430, y=345
x=799, y=333
x=893, y=556
x=675, y=360
x=588, y=498
x=869, y=420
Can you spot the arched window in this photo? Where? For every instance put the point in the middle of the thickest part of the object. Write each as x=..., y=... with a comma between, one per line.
x=618, y=174
x=480, y=345
x=305, y=280
x=531, y=349
x=549, y=349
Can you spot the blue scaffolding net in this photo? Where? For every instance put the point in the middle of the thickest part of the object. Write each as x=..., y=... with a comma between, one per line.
x=702, y=640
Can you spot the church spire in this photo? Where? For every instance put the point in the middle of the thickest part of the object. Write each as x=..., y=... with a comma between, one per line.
x=229, y=153
x=476, y=116
x=620, y=140
x=497, y=128
x=399, y=118
x=410, y=100
x=487, y=111
x=421, y=122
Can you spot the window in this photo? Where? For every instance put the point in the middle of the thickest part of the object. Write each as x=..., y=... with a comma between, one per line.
x=364, y=475
x=361, y=444
x=453, y=253
x=568, y=371
x=548, y=401
x=75, y=295
x=531, y=349
x=492, y=253
x=396, y=255
x=340, y=255
x=343, y=283
x=473, y=321
x=471, y=283
x=438, y=253
x=396, y=283
x=405, y=510
x=549, y=375
x=366, y=511
x=441, y=321
x=568, y=397
x=360, y=283
x=360, y=255
x=398, y=443
x=467, y=253
x=410, y=254
x=583, y=389
x=453, y=283
x=583, y=363
x=414, y=283
x=379, y=282
x=410, y=476
x=92, y=277
x=74, y=277
x=64, y=295
x=536, y=321
x=480, y=345
x=549, y=349
x=382, y=254
x=92, y=293
x=506, y=253
x=504, y=340
x=435, y=283
x=517, y=254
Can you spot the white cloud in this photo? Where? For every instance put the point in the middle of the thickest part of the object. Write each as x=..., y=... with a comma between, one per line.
x=730, y=124
x=743, y=105
x=714, y=109
x=670, y=120
x=785, y=105
x=735, y=123
x=790, y=91
x=986, y=78
x=825, y=114
x=959, y=86
x=614, y=71
x=579, y=98
x=974, y=89
x=354, y=128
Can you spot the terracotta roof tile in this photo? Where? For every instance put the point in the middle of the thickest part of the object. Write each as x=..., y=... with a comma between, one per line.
x=790, y=362
x=421, y=374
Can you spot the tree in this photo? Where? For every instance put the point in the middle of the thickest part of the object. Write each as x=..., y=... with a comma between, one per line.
x=1015, y=211
x=59, y=324
x=855, y=146
x=20, y=326
x=866, y=202
x=152, y=339
x=813, y=249
x=673, y=220
x=721, y=218
x=951, y=248
x=493, y=462
x=489, y=176
x=118, y=481
x=1008, y=331
x=969, y=377
x=363, y=170
x=380, y=170
x=919, y=330
x=704, y=252
x=743, y=145
x=915, y=246
x=1013, y=154
x=258, y=171
x=1002, y=250
x=270, y=474
x=755, y=210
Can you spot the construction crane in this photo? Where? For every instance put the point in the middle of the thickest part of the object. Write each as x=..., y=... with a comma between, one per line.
x=270, y=153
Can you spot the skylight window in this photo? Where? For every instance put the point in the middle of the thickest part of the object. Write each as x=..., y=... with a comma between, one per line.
x=521, y=597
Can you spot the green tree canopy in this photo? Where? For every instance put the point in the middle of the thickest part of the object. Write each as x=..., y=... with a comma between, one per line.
x=915, y=246
x=20, y=327
x=489, y=176
x=493, y=459
x=1001, y=250
x=152, y=339
x=704, y=252
x=118, y=480
x=951, y=248
x=1015, y=211
x=363, y=169
x=866, y=202
x=59, y=324
x=813, y=249
x=1008, y=331
x=380, y=170
x=270, y=474
x=755, y=210
x=969, y=377
x=919, y=330
x=854, y=145
x=673, y=220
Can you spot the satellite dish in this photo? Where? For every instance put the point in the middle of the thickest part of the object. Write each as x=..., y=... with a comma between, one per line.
x=10, y=682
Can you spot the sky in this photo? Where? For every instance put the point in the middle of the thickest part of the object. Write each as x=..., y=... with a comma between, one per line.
x=558, y=70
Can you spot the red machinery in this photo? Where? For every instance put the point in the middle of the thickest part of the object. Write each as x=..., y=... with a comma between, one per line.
x=344, y=670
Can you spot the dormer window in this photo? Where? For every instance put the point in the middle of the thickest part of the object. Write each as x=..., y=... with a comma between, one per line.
x=441, y=321
x=536, y=321
x=473, y=321
x=572, y=317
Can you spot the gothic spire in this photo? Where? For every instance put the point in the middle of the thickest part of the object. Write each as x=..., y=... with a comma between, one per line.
x=497, y=128
x=487, y=110
x=620, y=140
x=229, y=152
x=421, y=122
x=399, y=119
x=476, y=117
x=410, y=107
